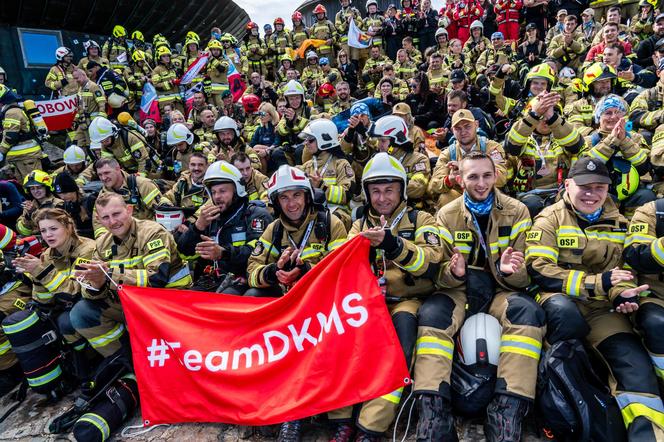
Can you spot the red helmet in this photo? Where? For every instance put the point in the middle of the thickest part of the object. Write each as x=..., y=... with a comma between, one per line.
x=320, y=9
x=251, y=102
x=278, y=21
x=326, y=90
x=297, y=15
x=251, y=25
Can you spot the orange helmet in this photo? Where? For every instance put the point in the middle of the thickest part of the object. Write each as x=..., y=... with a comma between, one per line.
x=320, y=9
x=279, y=21
x=297, y=15
x=250, y=103
x=326, y=90
x=251, y=25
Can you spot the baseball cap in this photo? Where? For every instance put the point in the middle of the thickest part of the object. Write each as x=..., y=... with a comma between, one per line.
x=267, y=27
x=457, y=75
x=587, y=170
x=497, y=36
x=588, y=11
x=401, y=109
x=462, y=115
x=561, y=12
x=530, y=26
x=659, y=17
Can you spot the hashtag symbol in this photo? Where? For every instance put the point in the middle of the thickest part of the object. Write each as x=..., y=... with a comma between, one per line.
x=158, y=351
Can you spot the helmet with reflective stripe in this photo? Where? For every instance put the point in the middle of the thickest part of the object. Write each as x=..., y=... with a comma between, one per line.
x=384, y=168
x=178, y=133
x=227, y=38
x=73, y=155
x=190, y=41
x=138, y=55
x=62, y=52
x=542, y=71
x=38, y=178
x=222, y=172
x=119, y=31
x=392, y=127
x=191, y=35
x=320, y=9
x=287, y=178
x=138, y=36
x=278, y=21
x=100, y=129
x=324, y=131
x=90, y=44
x=293, y=88
x=598, y=71
x=224, y=123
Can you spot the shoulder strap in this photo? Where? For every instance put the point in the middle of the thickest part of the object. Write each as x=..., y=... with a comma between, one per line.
x=412, y=217
x=133, y=191
x=323, y=227
x=453, y=152
x=659, y=217
x=277, y=233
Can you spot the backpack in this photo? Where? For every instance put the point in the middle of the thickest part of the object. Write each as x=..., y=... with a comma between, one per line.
x=659, y=217
x=572, y=401
x=452, y=147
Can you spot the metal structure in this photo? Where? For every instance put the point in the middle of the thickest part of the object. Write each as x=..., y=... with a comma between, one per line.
x=333, y=6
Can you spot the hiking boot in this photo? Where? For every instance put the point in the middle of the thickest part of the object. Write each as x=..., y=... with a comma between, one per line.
x=343, y=433
x=10, y=378
x=436, y=422
x=290, y=432
x=363, y=436
x=503, y=418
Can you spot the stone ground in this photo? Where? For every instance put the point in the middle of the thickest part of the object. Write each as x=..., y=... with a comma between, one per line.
x=29, y=423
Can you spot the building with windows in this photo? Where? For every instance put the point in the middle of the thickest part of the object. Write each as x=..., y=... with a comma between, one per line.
x=31, y=30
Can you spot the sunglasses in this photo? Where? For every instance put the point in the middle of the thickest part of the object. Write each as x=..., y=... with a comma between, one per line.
x=261, y=114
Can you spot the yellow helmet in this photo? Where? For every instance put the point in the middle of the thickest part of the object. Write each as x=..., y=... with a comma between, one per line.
x=629, y=178
x=38, y=178
x=189, y=41
x=119, y=31
x=286, y=57
x=138, y=35
x=163, y=50
x=598, y=71
x=543, y=71
x=215, y=44
x=191, y=35
x=138, y=55
x=227, y=37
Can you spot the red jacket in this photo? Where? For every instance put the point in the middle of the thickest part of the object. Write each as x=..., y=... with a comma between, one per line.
x=507, y=10
x=599, y=49
x=466, y=13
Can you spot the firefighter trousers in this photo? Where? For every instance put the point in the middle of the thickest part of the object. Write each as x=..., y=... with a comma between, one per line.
x=12, y=301
x=440, y=318
x=649, y=321
x=101, y=323
x=631, y=377
x=23, y=165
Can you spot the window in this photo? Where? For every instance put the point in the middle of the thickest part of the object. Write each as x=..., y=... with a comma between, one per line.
x=38, y=46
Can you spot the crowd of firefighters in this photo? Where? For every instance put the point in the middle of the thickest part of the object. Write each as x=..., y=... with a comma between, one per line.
x=503, y=157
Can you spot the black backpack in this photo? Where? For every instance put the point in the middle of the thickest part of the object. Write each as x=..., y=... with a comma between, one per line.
x=573, y=403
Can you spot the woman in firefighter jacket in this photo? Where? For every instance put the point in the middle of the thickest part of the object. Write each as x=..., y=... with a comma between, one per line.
x=39, y=188
x=574, y=254
x=328, y=168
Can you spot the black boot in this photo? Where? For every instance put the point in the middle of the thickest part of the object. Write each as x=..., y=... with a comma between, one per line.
x=290, y=432
x=10, y=378
x=503, y=418
x=343, y=432
x=436, y=422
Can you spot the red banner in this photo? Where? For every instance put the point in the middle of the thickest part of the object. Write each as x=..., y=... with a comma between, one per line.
x=203, y=357
x=59, y=114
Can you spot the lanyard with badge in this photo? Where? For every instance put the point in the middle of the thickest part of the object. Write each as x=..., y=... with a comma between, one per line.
x=305, y=238
x=382, y=281
x=325, y=166
x=480, y=237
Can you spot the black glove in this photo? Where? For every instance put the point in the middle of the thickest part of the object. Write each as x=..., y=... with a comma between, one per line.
x=64, y=82
x=390, y=245
x=621, y=300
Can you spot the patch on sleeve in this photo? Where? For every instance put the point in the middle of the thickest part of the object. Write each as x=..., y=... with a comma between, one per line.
x=420, y=167
x=431, y=238
x=137, y=153
x=463, y=236
x=534, y=235
x=258, y=249
x=97, y=94
x=638, y=228
x=257, y=225
x=155, y=244
x=496, y=155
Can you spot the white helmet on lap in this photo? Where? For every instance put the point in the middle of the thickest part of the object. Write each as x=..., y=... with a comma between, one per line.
x=178, y=133
x=324, y=131
x=392, y=127
x=100, y=129
x=384, y=168
x=223, y=172
x=74, y=155
x=224, y=123
x=287, y=178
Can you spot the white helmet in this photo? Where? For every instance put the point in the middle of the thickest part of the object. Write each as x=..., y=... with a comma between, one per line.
x=311, y=54
x=100, y=129
x=477, y=24
x=293, y=88
x=223, y=172
x=224, y=123
x=74, y=155
x=371, y=2
x=178, y=133
x=90, y=44
x=441, y=31
x=479, y=340
x=383, y=167
x=392, y=127
x=324, y=131
x=169, y=218
x=287, y=178
x=62, y=52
